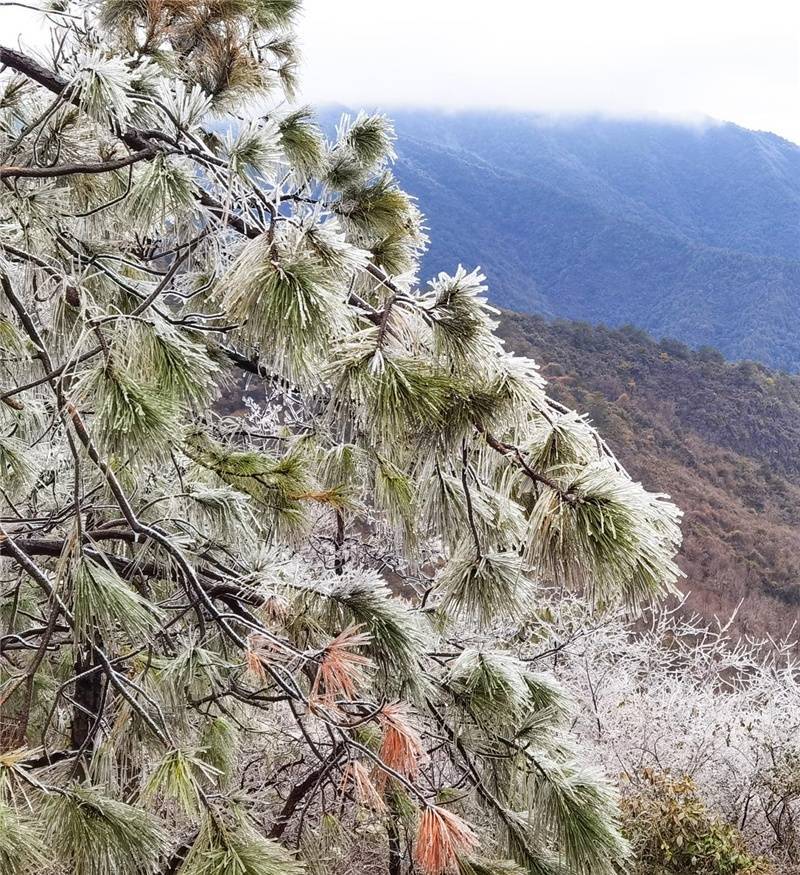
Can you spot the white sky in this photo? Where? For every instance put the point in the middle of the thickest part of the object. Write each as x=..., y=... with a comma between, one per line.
x=737, y=60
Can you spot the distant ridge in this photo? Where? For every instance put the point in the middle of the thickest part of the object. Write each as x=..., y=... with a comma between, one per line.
x=683, y=230
x=723, y=439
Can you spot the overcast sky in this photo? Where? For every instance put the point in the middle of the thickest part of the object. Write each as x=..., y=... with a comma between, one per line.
x=737, y=60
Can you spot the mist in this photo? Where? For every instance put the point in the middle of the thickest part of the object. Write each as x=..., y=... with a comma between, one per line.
x=732, y=61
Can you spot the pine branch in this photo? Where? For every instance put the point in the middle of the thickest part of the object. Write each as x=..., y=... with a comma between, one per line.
x=138, y=140
x=72, y=169
x=167, y=555
x=537, y=477
x=300, y=791
x=42, y=579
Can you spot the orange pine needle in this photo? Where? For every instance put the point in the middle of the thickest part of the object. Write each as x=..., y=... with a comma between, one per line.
x=260, y=650
x=341, y=672
x=366, y=792
x=441, y=838
x=252, y=656
x=401, y=748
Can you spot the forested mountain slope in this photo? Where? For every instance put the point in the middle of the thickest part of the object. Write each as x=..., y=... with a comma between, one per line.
x=723, y=439
x=690, y=232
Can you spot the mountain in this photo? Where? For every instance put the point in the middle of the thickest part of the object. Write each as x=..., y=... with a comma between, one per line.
x=723, y=439
x=685, y=231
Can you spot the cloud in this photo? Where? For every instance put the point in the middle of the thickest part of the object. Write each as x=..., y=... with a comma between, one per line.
x=734, y=60
x=686, y=59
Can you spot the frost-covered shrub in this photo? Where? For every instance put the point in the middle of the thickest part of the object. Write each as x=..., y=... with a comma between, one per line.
x=671, y=694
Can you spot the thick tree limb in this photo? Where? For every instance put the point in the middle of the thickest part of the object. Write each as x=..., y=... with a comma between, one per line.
x=298, y=793
x=213, y=584
x=74, y=169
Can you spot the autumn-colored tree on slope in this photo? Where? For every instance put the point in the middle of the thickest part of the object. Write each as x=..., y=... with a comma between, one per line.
x=254, y=645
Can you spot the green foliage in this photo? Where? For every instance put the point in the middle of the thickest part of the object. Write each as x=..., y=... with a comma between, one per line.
x=191, y=669
x=180, y=368
x=302, y=141
x=342, y=464
x=277, y=487
x=218, y=745
x=491, y=684
x=287, y=305
x=274, y=14
x=561, y=440
x=102, y=88
x=133, y=421
x=579, y=807
x=16, y=470
x=344, y=170
x=237, y=849
x=673, y=833
x=483, y=586
x=96, y=835
x=369, y=137
x=223, y=508
x=458, y=314
x=480, y=866
x=102, y=601
x=604, y=524
x=11, y=338
x=395, y=495
x=163, y=190
x=393, y=253
x=180, y=776
x=379, y=209
x=388, y=391
x=332, y=251
x=254, y=150
x=21, y=847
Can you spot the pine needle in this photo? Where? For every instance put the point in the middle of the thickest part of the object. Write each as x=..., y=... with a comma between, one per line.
x=95, y=835
x=180, y=776
x=21, y=847
x=132, y=420
x=401, y=746
x=442, y=837
x=341, y=672
x=101, y=599
x=237, y=850
x=483, y=587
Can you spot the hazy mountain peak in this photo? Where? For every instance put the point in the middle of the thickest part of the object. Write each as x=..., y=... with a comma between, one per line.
x=683, y=229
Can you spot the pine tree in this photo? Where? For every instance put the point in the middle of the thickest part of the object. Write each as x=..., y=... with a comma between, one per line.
x=277, y=640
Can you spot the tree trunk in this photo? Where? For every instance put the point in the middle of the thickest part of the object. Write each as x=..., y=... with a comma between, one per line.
x=88, y=698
